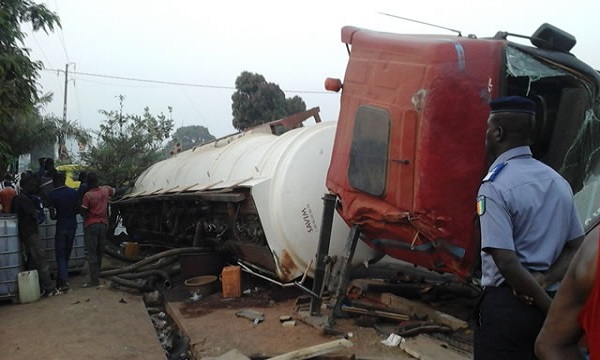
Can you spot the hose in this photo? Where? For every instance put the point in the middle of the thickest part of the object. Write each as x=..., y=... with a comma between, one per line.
x=162, y=274
x=151, y=259
x=143, y=287
x=159, y=264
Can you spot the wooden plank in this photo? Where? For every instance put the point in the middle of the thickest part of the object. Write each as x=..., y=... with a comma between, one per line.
x=315, y=350
x=419, y=310
x=376, y=313
x=425, y=348
x=234, y=354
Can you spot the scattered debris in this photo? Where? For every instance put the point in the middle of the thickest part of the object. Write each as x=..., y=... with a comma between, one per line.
x=255, y=316
x=234, y=354
x=122, y=301
x=153, y=299
x=195, y=296
x=377, y=313
x=412, y=328
x=289, y=323
x=284, y=318
x=426, y=348
x=392, y=340
x=315, y=350
x=76, y=302
x=420, y=311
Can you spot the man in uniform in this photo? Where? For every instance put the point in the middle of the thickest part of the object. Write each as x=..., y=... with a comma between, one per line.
x=530, y=230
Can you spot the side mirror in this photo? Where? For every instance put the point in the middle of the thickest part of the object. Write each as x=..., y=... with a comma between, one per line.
x=550, y=37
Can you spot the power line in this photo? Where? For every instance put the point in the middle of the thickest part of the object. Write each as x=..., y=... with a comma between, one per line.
x=179, y=83
x=61, y=35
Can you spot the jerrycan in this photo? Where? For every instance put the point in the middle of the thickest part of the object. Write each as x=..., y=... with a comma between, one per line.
x=231, y=281
x=29, y=286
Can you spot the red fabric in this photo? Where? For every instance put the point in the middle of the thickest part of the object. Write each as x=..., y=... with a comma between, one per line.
x=6, y=197
x=96, y=202
x=589, y=318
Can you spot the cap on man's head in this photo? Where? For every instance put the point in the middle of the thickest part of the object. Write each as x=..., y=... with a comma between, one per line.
x=512, y=104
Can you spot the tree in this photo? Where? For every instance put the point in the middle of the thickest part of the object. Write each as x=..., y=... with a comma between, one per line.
x=257, y=101
x=127, y=144
x=28, y=131
x=190, y=136
x=64, y=129
x=294, y=105
x=18, y=73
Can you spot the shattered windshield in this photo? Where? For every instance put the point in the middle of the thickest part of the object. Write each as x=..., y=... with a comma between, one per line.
x=567, y=129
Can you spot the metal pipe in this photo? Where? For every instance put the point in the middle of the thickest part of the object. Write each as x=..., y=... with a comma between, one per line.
x=322, y=253
x=290, y=284
x=346, y=261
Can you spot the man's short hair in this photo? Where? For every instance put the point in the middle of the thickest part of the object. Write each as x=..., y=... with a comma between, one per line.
x=59, y=178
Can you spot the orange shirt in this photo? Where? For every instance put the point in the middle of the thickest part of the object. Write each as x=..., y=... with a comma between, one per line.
x=589, y=318
x=96, y=202
x=6, y=196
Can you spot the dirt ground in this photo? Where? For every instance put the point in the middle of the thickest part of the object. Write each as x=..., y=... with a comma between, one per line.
x=112, y=323
x=214, y=329
x=87, y=323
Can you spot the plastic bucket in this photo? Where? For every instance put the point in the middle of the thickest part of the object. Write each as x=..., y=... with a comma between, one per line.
x=29, y=286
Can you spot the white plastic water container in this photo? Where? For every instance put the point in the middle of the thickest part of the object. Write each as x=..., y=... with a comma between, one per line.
x=29, y=286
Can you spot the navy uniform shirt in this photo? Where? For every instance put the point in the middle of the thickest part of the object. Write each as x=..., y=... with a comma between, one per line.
x=527, y=207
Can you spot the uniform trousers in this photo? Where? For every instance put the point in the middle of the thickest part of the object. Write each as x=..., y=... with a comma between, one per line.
x=507, y=327
x=63, y=245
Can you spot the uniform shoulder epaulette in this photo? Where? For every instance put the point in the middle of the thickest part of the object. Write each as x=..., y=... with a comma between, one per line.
x=495, y=171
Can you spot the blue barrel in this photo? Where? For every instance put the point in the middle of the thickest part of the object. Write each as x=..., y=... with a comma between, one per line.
x=11, y=257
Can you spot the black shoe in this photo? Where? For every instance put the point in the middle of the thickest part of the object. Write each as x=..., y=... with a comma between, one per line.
x=50, y=292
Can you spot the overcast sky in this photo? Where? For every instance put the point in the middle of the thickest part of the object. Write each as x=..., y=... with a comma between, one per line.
x=295, y=44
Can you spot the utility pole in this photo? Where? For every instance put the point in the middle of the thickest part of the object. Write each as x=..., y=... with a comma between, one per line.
x=65, y=99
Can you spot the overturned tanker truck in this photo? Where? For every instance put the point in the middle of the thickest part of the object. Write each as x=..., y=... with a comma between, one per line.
x=400, y=169
x=255, y=195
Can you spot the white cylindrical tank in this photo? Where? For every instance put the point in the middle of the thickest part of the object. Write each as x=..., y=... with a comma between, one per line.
x=286, y=177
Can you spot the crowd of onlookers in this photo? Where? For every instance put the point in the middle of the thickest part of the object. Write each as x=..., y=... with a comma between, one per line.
x=30, y=193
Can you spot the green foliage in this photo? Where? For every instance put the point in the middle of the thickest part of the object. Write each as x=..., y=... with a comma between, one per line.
x=29, y=131
x=294, y=105
x=64, y=129
x=18, y=74
x=189, y=136
x=257, y=101
x=127, y=144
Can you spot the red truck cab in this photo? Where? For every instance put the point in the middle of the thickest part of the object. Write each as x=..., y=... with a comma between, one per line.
x=409, y=152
